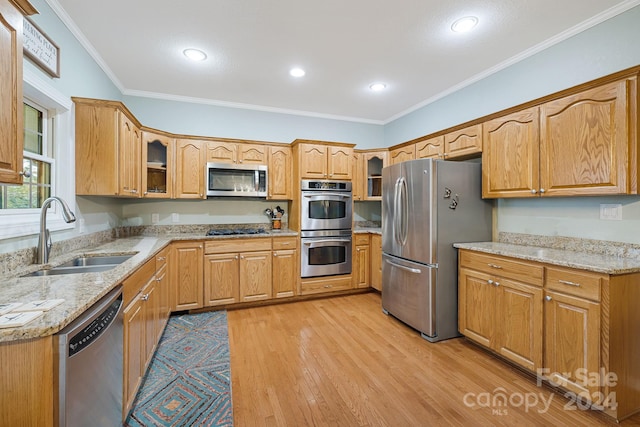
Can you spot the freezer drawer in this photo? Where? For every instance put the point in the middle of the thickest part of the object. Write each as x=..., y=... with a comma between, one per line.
x=408, y=293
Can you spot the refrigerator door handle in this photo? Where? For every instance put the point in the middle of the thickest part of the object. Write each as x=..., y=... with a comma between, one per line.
x=402, y=267
x=404, y=211
x=396, y=206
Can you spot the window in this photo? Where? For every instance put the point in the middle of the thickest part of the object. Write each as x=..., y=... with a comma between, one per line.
x=38, y=164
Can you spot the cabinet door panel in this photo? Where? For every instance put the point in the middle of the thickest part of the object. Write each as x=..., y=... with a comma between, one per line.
x=255, y=276
x=510, y=155
x=313, y=161
x=221, y=279
x=402, y=154
x=432, y=147
x=253, y=154
x=285, y=273
x=572, y=341
x=519, y=322
x=340, y=162
x=463, y=142
x=476, y=306
x=134, y=350
x=362, y=267
x=584, y=142
x=189, y=169
x=376, y=261
x=187, y=273
x=280, y=170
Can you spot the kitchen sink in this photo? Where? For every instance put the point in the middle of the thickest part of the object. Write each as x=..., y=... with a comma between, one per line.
x=96, y=260
x=84, y=264
x=72, y=270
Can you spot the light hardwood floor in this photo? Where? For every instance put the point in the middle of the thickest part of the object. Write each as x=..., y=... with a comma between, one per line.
x=340, y=361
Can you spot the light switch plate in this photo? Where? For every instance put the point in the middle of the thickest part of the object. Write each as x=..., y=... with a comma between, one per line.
x=175, y=217
x=155, y=218
x=611, y=212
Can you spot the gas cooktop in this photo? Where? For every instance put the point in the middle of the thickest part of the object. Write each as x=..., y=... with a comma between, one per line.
x=234, y=231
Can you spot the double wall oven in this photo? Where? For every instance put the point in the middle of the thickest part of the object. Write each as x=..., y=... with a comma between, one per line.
x=326, y=219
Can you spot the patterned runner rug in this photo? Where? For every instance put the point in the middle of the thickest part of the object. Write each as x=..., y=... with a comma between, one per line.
x=189, y=380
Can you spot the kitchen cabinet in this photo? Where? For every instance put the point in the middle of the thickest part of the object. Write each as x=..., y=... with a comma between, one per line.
x=572, y=328
x=463, y=143
x=190, y=169
x=238, y=153
x=583, y=324
x=578, y=145
x=186, y=272
x=361, y=261
x=376, y=262
x=11, y=102
x=357, y=185
x=432, y=147
x=158, y=164
x=500, y=306
x=321, y=285
x=372, y=164
x=107, y=149
x=162, y=283
x=280, y=171
x=285, y=267
x=317, y=160
x=238, y=270
x=402, y=154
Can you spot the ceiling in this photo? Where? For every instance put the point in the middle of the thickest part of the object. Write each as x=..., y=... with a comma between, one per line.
x=344, y=46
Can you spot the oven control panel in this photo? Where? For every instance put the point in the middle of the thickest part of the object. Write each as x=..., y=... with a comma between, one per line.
x=308, y=185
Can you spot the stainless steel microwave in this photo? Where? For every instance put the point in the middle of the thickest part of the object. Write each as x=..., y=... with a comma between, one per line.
x=226, y=179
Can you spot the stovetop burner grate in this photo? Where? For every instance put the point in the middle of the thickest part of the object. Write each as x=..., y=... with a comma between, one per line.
x=234, y=231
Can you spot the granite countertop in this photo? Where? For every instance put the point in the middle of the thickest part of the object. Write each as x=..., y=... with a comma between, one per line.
x=81, y=291
x=599, y=263
x=363, y=230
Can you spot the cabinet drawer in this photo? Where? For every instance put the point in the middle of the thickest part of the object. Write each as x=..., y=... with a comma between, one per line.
x=134, y=283
x=236, y=245
x=321, y=285
x=285, y=243
x=574, y=282
x=161, y=258
x=361, y=239
x=523, y=271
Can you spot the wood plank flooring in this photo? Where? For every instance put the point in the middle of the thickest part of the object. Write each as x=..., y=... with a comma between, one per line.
x=341, y=362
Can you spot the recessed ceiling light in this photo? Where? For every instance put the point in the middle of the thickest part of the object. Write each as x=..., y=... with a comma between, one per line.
x=297, y=72
x=377, y=87
x=465, y=24
x=195, y=54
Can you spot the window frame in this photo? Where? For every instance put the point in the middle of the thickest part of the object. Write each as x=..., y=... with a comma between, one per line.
x=26, y=222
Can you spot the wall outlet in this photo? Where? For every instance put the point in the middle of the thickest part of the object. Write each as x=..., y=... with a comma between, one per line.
x=612, y=212
x=155, y=218
x=81, y=227
x=175, y=217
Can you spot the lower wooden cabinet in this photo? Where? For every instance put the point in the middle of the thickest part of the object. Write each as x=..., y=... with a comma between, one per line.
x=361, y=266
x=255, y=276
x=221, y=279
x=575, y=328
x=285, y=267
x=187, y=275
x=376, y=262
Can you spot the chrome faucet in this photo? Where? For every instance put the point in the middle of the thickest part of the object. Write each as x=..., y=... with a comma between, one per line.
x=44, y=238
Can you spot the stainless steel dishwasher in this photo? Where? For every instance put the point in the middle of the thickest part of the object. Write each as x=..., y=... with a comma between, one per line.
x=89, y=361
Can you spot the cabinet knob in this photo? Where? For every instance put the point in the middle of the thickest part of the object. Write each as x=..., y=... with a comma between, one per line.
x=494, y=266
x=145, y=297
x=158, y=279
x=533, y=191
x=200, y=194
x=241, y=256
x=146, y=192
x=275, y=254
x=496, y=284
x=240, y=161
x=490, y=282
x=542, y=190
x=26, y=173
x=548, y=298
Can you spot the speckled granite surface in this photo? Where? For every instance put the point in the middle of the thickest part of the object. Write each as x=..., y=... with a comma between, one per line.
x=80, y=291
x=600, y=263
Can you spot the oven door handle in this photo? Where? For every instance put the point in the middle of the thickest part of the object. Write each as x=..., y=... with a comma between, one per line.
x=324, y=196
x=311, y=244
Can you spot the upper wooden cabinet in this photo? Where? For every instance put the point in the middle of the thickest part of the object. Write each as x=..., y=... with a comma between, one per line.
x=402, y=154
x=190, y=161
x=464, y=142
x=510, y=165
x=280, y=170
x=107, y=149
x=317, y=160
x=357, y=185
x=432, y=147
x=588, y=142
x=11, y=109
x=158, y=165
x=240, y=153
x=579, y=145
x=372, y=164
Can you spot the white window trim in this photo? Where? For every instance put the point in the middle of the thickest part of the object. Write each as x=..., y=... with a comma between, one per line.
x=26, y=222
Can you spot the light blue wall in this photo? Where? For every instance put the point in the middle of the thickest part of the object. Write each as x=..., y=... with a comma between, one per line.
x=606, y=48
x=210, y=120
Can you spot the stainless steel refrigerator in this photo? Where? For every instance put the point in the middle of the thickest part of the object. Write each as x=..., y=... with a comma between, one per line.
x=427, y=205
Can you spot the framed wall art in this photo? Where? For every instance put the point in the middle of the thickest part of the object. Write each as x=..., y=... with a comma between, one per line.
x=38, y=47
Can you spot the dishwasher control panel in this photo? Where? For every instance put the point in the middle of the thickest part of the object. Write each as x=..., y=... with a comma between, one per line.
x=83, y=338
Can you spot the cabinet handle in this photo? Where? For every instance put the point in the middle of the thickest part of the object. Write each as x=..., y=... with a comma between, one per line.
x=145, y=297
x=548, y=298
x=161, y=258
x=542, y=190
x=158, y=279
x=496, y=284
x=494, y=266
x=533, y=191
x=490, y=282
x=327, y=286
x=566, y=282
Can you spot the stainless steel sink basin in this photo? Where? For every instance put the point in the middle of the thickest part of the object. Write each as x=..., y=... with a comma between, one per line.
x=96, y=260
x=72, y=270
x=84, y=264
